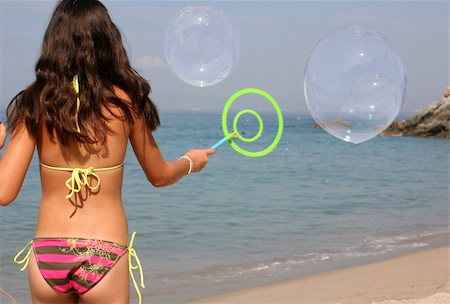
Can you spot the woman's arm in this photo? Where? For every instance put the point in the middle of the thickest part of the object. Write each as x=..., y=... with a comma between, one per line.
x=15, y=162
x=158, y=171
x=2, y=135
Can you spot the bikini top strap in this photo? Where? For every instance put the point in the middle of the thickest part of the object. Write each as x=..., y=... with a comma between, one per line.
x=76, y=87
x=71, y=169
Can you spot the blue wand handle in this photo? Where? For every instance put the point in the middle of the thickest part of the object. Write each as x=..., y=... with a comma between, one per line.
x=220, y=142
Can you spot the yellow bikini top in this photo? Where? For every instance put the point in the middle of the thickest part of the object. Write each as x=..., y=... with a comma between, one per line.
x=80, y=176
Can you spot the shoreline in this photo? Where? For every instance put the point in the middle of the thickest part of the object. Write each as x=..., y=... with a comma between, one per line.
x=420, y=274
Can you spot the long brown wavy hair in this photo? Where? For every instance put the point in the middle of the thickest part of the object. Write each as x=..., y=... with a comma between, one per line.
x=82, y=40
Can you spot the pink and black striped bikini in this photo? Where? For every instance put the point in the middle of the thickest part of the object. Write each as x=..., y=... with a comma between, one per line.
x=78, y=264
x=75, y=265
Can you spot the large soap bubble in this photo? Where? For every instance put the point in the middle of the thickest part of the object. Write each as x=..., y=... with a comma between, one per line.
x=354, y=83
x=202, y=45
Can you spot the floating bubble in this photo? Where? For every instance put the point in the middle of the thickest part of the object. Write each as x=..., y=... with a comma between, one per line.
x=354, y=83
x=202, y=45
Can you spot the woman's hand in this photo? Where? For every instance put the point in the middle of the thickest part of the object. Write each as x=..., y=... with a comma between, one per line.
x=199, y=158
x=2, y=134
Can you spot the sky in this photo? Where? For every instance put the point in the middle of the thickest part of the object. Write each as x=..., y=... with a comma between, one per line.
x=276, y=38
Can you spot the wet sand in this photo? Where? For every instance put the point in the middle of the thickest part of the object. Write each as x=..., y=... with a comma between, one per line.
x=414, y=278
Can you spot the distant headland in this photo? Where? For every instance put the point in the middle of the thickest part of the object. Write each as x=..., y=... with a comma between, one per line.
x=432, y=121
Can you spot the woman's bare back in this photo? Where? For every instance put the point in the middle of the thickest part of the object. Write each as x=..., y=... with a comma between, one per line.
x=98, y=213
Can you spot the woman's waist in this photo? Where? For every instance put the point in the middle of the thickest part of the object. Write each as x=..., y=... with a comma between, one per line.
x=90, y=219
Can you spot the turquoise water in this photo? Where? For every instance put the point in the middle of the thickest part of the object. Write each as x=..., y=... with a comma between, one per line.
x=314, y=201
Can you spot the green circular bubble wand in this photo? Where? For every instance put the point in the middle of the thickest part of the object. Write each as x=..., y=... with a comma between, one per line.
x=235, y=133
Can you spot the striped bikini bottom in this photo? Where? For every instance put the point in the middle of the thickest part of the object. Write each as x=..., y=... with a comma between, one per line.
x=75, y=265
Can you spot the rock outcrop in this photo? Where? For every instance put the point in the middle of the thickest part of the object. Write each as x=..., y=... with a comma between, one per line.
x=432, y=121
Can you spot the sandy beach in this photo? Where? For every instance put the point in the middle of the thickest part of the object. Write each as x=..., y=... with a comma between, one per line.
x=414, y=278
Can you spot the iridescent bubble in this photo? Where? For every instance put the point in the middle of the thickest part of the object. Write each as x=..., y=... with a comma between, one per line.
x=355, y=83
x=202, y=45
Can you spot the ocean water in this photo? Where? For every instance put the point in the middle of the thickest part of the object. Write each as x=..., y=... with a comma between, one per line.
x=314, y=201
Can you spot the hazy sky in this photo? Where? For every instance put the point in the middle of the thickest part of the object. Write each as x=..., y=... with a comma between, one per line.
x=276, y=39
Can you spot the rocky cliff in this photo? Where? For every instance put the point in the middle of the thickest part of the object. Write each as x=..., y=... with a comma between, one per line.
x=432, y=121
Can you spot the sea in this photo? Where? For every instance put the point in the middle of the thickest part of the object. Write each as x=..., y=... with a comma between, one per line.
x=313, y=204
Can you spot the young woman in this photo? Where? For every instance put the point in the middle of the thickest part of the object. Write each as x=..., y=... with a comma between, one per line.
x=84, y=106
